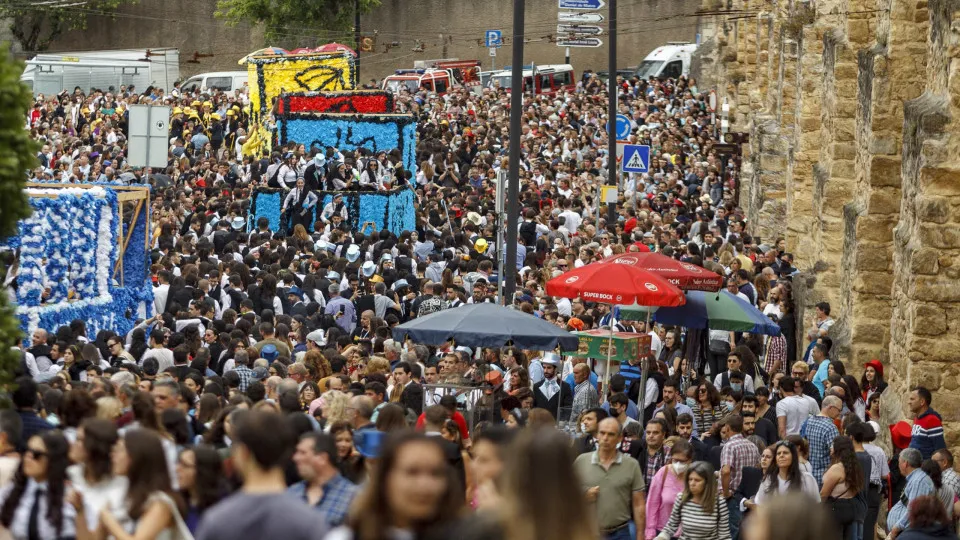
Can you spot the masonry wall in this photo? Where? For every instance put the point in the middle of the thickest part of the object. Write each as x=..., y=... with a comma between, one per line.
x=851, y=107
x=446, y=28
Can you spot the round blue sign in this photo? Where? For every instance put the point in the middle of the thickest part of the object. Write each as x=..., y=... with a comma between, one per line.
x=623, y=127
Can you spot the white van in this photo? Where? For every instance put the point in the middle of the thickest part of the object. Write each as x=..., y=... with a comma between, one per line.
x=667, y=61
x=51, y=73
x=227, y=81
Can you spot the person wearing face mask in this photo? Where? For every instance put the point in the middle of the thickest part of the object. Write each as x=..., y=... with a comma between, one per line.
x=665, y=486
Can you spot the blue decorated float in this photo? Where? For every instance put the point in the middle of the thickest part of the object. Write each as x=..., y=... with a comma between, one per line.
x=83, y=254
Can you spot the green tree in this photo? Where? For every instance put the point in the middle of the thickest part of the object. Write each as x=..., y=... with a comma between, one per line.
x=18, y=154
x=37, y=24
x=302, y=22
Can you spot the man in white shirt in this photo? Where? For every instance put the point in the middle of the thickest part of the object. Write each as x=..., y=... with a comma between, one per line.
x=160, y=292
x=734, y=363
x=794, y=409
x=157, y=350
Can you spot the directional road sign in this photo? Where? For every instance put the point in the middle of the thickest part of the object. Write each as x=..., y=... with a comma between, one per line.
x=575, y=17
x=579, y=42
x=581, y=4
x=636, y=159
x=623, y=127
x=579, y=30
x=494, y=38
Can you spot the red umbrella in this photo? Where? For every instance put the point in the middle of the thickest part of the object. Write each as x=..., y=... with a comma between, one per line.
x=616, y=284
x=685, y=276
x=335, y=47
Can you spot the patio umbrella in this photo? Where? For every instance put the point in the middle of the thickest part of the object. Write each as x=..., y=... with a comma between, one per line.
x=335, y=47
x=685, y=276
x=615, y=283
x=722, y=311
x=486, y=325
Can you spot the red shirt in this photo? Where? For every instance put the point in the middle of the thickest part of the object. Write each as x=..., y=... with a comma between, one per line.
x=629, y=225
x=457, y=417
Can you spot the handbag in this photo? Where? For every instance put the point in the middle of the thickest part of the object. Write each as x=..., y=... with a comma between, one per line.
x=719, y=346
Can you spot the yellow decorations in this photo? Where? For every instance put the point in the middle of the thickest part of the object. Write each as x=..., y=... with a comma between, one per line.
x=272, y=75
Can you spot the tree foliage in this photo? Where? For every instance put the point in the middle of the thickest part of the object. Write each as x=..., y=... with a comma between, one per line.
x=37, y=25
x=17, y=156
x=298, y=22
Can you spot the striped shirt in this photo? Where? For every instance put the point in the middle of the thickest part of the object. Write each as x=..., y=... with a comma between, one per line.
x=696, y=522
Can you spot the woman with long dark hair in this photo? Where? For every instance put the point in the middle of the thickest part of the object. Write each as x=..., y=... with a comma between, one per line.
x=708, y=409
x=155, y=510
x=871, y=382
x=74, y=364
x=784, y=475
x=411, y=492
x=854, y=398
x=92, y=475
x=672, y=351
x=944, y=492
x=39, y=483
x=200, y=475
x=842, y=482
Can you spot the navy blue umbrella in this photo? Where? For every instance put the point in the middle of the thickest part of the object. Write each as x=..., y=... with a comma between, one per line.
x=486, y=325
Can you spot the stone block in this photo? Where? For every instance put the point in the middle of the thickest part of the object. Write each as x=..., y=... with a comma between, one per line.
x=935, y=289
x=932, y=208
x=875, y=229
x=924, y=261
x=844, y=151
x=858, y=32
x=926, y=374
x=939, y=349
x=928, y=319
x=885, y=171
x=773, y=162
x=869, y=332
x=941, y=236
x=873, y=308
x=884, y=201
x=873, y=259
x=873, y=283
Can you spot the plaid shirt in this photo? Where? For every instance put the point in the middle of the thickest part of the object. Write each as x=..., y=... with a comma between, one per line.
x=584, y=397
x=820, y=432
x=738, y=453
x=776, y=350
x=656, y=462
x=335, y=502
x=246, y=375
x=951, y=479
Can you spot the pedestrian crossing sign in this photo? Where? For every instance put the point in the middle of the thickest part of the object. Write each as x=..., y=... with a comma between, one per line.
x=636, y=159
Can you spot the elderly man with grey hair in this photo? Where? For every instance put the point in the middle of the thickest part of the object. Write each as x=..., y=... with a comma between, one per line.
x=918, y=485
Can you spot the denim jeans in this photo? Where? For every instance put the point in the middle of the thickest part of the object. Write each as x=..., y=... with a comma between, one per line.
x=733, y=507
x=620, y=534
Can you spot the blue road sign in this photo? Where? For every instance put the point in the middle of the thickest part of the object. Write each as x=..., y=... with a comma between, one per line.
x=636, y=159
x=494, y=38
x=581, y=4
x=623, y=127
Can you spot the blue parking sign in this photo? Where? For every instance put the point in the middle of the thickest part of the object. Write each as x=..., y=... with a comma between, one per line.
x=494, y=38
x=636, y=159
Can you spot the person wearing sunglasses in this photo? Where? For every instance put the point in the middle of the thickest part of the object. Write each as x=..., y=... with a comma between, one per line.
x=34, y=506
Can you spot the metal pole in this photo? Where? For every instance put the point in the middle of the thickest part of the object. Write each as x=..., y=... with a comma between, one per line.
x=566, y=56
x=612, y=172
x=356, y=37
x=500, y=245
x=513, y=185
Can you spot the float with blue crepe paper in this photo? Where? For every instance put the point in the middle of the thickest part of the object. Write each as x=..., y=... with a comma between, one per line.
x=391, y=210
x=87, y=247
x=375, y=132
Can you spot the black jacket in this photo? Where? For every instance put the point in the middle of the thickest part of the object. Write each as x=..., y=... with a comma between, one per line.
x=562, y=399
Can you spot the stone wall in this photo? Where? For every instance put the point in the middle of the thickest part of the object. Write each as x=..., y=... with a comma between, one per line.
x=851, y=107
x=446, y=28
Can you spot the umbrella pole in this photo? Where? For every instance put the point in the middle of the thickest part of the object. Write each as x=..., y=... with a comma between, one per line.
x=643, y=377
x=606, y=371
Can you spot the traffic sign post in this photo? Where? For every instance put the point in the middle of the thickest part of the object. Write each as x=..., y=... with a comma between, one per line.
x=579, y=42
x=579, y=30
x=575, y=17
x=636, y=159
x=582, y=4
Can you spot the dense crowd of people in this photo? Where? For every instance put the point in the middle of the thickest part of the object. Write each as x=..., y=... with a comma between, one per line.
x=267, y=395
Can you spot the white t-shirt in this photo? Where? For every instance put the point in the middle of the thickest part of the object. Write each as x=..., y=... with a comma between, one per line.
x=796, y=409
